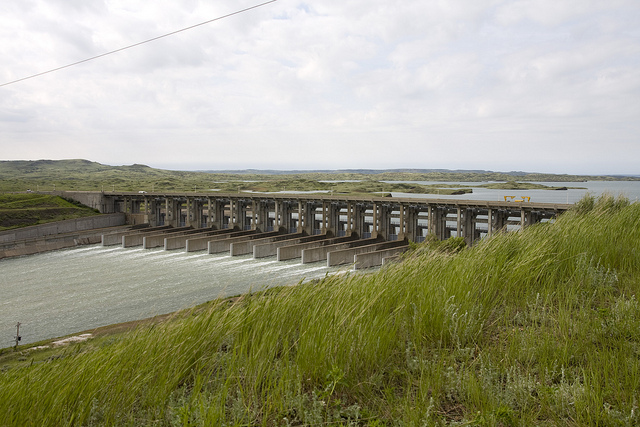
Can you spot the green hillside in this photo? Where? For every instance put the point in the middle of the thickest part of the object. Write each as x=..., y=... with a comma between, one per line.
x=21, y=210
x=83, y=175
x=538, y=327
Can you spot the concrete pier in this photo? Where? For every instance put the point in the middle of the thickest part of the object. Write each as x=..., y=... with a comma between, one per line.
x=264, y=250
x=376, y=258
x=321, y=253
x=112, y=239
x=179, y=242
x=137, y=239
x=202, y=243
x=157, y=240
x=346, y=256
x=288, y=252
x=246, y=247
x=224, y=245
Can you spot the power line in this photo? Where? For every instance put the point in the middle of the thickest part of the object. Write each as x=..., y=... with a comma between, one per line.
x=139, y=43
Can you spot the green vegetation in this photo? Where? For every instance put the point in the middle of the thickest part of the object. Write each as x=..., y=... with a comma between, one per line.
x=513, y=185
x=538, y=327
x=20, y=210
x=83, y=175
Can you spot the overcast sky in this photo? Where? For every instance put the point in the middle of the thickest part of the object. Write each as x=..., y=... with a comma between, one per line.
x=533, y=85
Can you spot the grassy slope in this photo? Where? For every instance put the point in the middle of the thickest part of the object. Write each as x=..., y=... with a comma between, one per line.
x=21, y=210
x=528, y=328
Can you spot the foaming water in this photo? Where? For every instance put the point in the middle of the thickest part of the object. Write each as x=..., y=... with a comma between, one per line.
x=68, y=291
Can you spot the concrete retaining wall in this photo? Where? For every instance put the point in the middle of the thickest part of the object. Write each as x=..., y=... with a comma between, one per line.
x=202, y=243
x=179, y=242
x=224, y=245
x=320, y=254
x=264, y=250
x=60, y=227
x=116, y=238
x=374, y=259
x=347, y=256
x=246, y=247
x=49, y=246
x=157, y=240
x=285, y=253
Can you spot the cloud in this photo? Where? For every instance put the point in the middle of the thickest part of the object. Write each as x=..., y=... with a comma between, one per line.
x=325, y=84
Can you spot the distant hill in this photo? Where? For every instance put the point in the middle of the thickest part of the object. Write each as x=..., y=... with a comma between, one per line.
x=79, y=174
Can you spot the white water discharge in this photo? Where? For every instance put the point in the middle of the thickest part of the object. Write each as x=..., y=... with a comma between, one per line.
x=68, y=291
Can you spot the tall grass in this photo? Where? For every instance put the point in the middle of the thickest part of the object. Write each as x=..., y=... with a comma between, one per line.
x=540, y=326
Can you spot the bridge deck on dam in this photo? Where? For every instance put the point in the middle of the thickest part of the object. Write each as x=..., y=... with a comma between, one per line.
x=197, y=220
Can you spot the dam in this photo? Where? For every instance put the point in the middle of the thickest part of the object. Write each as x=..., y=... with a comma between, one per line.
x=341, y=229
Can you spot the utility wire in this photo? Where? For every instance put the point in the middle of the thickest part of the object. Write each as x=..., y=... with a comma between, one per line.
x=139, y=43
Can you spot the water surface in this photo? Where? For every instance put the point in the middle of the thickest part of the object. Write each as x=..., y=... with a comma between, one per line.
x=72, y=290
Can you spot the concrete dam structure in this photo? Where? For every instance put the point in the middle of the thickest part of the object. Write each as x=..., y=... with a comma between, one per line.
x=339, y=228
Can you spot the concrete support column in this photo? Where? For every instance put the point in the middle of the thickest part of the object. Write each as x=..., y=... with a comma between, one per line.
x=355, y=219
x=136, y=206
x=490, y=222
x=529, y=218
x=238, y=214
x=209, y=213
x=381, y=221
x=173, y=208
x=262, y=215
x=233, y=213
x=438, y=222
x=358, y=219
x=243, y=209
x=331, y=218
x=189, y=220
x=152, y=211
x=254, y=215
x=499, y=220
x=194, y=213
x=218, y=219
x=469, y=227
x=277, y=209
x=306, y=217
x=433, y=221
x=408, y=223
x=458, y=221
x=283, y=216
x=301, y=217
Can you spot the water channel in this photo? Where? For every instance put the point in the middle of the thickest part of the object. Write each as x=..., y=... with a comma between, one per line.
x=68, y=291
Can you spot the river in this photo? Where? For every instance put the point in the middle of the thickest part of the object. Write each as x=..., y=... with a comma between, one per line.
x=629, y=189
x=71, y=290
